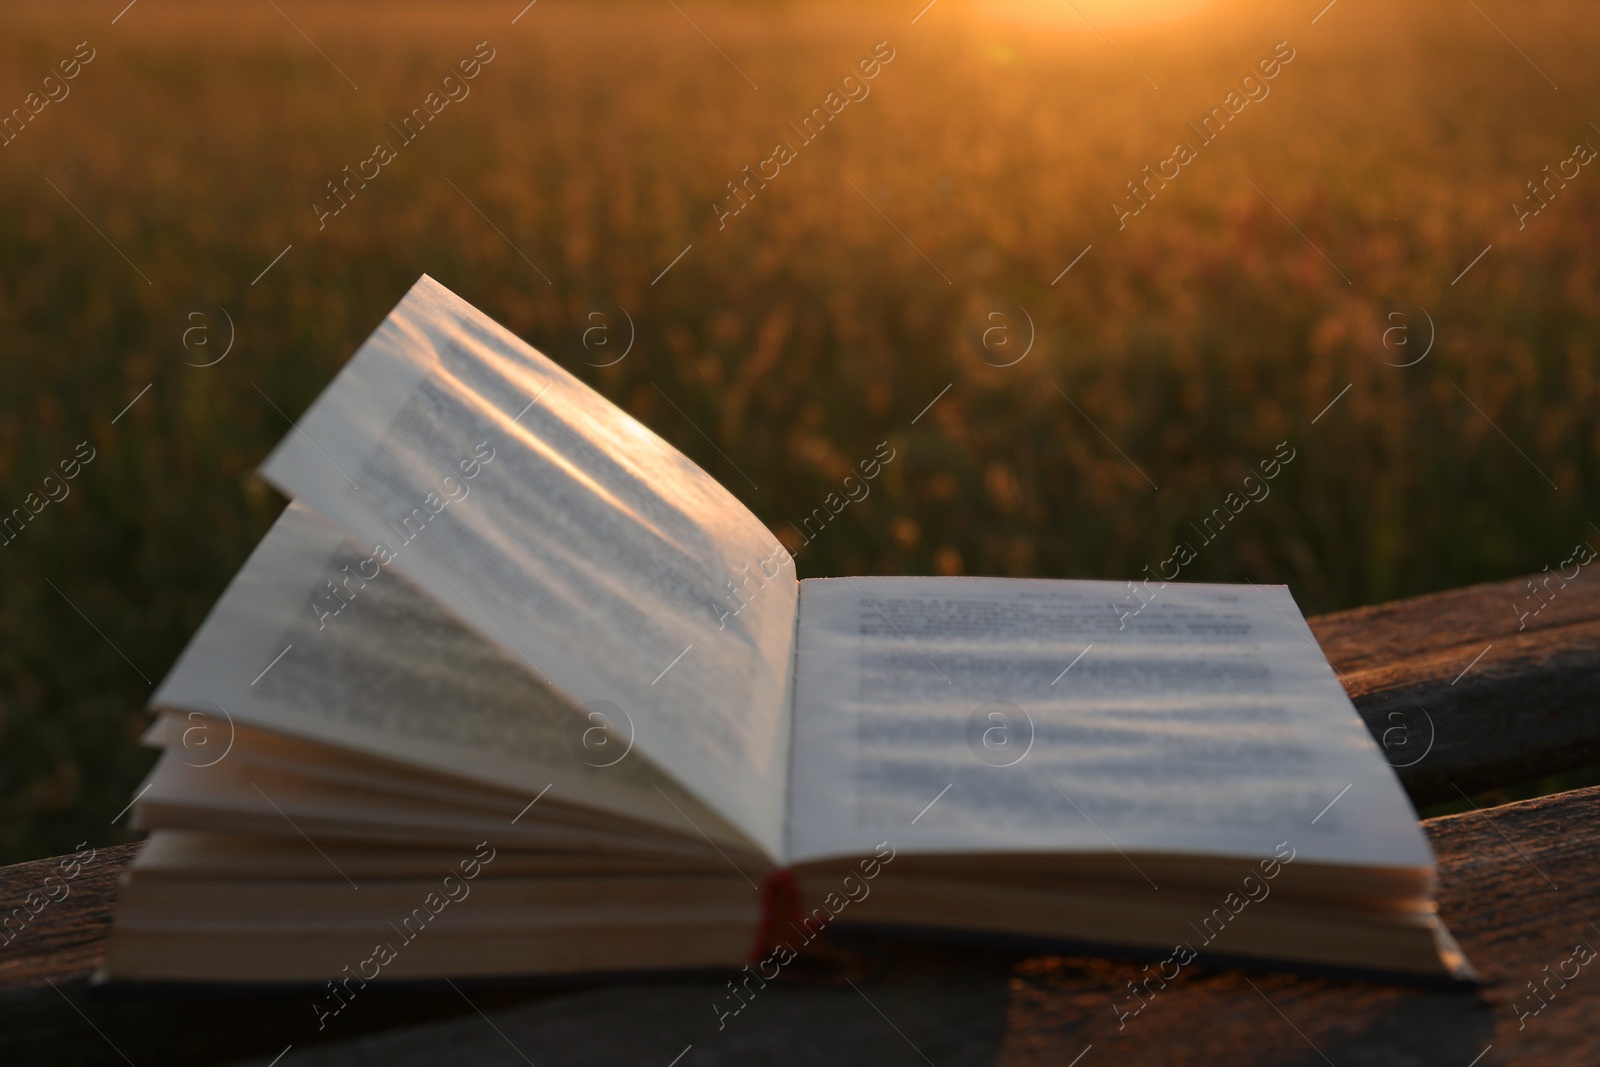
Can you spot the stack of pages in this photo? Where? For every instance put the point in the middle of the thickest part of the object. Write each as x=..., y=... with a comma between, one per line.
x=513, y=687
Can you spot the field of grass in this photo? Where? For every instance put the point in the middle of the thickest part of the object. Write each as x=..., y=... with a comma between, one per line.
x=1172, y=359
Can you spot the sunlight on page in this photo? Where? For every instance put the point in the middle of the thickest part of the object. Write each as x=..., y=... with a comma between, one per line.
x=557, y=526
x=973, y=715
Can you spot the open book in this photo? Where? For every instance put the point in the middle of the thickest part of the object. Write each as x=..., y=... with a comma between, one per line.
x=514, y=687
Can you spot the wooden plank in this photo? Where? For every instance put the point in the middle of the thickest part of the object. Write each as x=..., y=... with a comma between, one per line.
x=73, y=902
x=1447, y=716
x=1467, y=694
x=1519, y=892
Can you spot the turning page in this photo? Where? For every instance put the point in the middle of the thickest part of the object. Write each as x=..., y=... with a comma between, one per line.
x=991, y=715
x=307, y=642
x=559, y=528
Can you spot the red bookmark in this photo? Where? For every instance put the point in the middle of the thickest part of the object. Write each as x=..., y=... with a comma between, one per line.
x=780, y=906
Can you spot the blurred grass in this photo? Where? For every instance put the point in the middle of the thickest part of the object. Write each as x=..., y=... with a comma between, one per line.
x=808, y=330
x=1514, y=791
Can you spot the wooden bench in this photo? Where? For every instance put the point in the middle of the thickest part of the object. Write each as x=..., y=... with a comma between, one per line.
x=1463, y=700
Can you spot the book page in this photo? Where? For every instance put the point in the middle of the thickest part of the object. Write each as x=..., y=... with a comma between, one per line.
x=302, y=644
x=558, y=527
x=990, y=715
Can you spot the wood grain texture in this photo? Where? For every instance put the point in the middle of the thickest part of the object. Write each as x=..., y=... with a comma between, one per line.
x=1530, y=706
